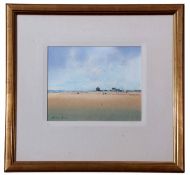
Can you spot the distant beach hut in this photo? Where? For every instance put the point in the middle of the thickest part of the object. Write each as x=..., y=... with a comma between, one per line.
x=97, y=89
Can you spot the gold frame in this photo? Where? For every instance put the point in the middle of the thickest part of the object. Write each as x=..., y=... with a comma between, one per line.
x=177, y=10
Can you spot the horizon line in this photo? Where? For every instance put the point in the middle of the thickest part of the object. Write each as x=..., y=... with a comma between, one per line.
x=94, y=90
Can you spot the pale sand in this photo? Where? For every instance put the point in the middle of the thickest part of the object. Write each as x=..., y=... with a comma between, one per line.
x=94, y=100
x=94, y=106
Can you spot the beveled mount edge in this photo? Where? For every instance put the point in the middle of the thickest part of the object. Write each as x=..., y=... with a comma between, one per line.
x=10, y=135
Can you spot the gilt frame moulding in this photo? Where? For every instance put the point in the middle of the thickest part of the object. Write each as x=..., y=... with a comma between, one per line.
x=176, y=10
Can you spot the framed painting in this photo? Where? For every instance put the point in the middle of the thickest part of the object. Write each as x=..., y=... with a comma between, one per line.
x=105, y=85
x=95, y=88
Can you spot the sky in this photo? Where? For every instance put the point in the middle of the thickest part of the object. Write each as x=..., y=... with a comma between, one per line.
x=85, y=68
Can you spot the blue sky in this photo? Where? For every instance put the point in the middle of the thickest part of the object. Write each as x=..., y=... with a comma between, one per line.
x=85, y=68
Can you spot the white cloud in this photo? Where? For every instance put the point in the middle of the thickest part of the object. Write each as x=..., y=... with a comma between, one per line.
x=102, y=66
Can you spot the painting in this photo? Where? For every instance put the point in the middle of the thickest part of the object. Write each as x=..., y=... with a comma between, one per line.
x=88, y=83
x=76, y=78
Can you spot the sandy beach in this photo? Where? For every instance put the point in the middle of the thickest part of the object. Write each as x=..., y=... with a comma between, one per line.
x=94, y=106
